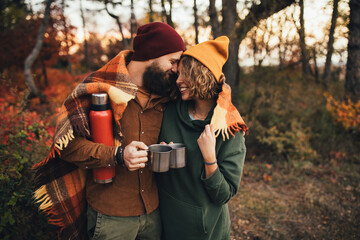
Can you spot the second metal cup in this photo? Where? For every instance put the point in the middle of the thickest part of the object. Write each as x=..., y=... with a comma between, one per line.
x=178, y=155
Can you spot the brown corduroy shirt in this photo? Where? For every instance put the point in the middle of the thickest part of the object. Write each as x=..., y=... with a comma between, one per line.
x=131, y=193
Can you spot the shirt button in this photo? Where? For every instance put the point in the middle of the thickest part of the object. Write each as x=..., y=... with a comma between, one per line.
x=86, y=167
x=142, y=132
x=141, y=112
x=109, y=165
x=141, y=171
x=142, y=190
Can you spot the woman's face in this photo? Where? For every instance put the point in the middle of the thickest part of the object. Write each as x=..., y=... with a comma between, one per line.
x=182, y=84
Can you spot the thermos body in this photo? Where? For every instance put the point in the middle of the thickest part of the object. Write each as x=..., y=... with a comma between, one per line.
x=102, y=132
x=101, y=127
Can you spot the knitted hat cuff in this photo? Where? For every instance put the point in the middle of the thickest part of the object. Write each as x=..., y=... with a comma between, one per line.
x=154, y=40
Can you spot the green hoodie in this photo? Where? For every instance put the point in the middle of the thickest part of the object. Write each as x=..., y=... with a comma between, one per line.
x=191, y=205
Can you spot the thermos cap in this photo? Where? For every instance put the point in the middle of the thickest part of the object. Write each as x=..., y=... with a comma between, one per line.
x=99, y=98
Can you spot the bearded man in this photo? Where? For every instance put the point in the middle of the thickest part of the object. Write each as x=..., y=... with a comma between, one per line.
x=138, y=84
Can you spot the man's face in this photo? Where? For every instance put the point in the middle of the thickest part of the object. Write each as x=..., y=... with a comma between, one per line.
x=160, y=76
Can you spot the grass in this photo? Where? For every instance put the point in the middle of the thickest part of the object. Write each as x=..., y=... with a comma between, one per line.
x=300, y=201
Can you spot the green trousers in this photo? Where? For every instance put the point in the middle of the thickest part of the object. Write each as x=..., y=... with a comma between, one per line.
x=143, y=227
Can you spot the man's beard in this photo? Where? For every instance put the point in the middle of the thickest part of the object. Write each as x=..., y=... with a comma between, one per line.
x=159, y=82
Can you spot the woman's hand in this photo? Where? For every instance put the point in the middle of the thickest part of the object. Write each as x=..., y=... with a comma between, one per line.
x=207, y=142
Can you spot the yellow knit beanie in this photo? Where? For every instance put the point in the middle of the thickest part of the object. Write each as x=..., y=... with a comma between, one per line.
x=213, y=54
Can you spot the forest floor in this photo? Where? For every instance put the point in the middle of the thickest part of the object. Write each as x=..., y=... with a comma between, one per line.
x=297, y=201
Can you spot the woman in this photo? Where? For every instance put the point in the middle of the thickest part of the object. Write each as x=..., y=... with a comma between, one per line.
x=193, y=199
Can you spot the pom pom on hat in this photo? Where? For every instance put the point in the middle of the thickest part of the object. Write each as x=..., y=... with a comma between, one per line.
x=155, y=40
x=213, y=54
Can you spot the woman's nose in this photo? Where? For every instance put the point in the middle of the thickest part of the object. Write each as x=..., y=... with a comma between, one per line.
x=178, y=80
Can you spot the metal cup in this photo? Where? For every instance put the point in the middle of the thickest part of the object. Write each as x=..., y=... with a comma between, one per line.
x=178, y=155
x=160, y=157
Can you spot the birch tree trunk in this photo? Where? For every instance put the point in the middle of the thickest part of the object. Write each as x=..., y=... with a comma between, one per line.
x=34, y=92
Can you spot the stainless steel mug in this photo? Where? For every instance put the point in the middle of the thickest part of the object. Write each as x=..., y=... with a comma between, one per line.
x=160, y=157
x=178, y=155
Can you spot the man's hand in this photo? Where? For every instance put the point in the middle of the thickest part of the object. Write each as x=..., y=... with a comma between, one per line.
x=135, y=155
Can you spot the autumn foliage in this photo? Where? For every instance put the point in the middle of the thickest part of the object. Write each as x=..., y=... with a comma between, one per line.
x=26, y=132
x=345, y=112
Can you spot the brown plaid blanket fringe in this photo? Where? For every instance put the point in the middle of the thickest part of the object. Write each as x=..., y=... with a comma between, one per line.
x=59, y=185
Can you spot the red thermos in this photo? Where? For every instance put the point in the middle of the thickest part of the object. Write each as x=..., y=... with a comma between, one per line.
x=102, y=132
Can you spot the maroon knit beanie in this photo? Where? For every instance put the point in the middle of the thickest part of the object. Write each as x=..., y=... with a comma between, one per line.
x=155, y=40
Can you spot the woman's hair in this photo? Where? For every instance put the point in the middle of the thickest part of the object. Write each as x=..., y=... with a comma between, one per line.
x=202, y=83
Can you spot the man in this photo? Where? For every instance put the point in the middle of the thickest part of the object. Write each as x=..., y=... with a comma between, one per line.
x=138, y=84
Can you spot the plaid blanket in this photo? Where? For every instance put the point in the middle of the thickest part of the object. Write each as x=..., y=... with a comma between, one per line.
x=226, y=118
x=59, y=185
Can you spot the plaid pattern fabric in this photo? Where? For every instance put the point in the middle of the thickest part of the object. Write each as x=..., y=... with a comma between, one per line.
x=226, y=118
x=59, y=185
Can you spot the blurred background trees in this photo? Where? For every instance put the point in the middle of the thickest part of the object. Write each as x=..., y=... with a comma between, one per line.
x=295, y=81
x=239, y=20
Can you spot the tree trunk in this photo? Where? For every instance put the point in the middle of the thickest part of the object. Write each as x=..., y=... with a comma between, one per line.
x=214, y=22
x=34, y=92
x=196, y=24
x=316, y=68
x=258, y=12
x=238, y=31
x=231, y=68
x=117, y=19
x=163, y=12
x=66, y=38
x=151, y=13
x=167, y=16
x=304, y=53
x=133, y=24
x=86, y=51
x=44, y=72
x=330, y=46
x=352, y=83
x=280, y=44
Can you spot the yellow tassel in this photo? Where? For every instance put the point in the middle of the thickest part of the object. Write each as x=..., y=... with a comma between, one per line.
x=127, y=85
x=218, y=121
x=59, y=144
x=64, y=141
x=41, y=196
x=71, y=134
x=118, y=96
